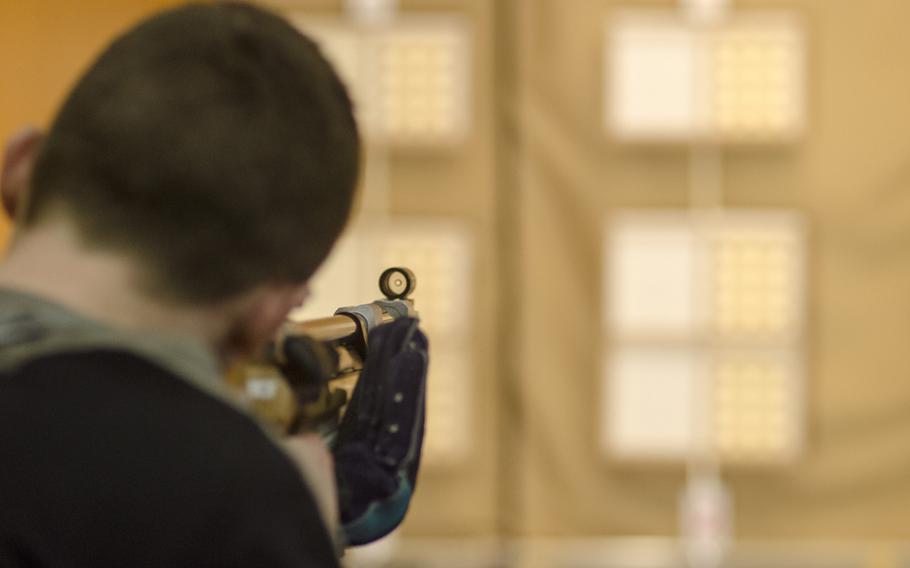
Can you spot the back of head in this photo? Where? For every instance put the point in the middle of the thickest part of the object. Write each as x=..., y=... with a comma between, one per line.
x=213, y=144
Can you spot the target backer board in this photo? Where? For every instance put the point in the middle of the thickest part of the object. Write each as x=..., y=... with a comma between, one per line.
x=704, y=323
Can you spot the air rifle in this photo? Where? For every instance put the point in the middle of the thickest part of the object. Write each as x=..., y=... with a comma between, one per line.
x=307, y=374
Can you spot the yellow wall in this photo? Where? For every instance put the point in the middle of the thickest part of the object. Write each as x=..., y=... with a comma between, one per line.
x=44, y=44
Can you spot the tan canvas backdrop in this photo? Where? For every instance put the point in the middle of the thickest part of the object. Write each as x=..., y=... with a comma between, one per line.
x=851, y=178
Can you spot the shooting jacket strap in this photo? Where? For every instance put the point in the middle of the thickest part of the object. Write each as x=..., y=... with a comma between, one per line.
x=31, y=327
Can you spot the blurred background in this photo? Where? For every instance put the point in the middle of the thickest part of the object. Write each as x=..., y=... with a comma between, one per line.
x=663, y=253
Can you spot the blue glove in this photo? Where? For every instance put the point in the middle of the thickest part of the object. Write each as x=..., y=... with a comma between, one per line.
x=377, y=451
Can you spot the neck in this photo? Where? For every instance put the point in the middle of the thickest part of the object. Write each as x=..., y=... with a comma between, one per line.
x=50, y=261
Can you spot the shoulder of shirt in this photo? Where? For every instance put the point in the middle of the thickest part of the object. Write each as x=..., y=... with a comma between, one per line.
x=132, y=379
x=223, y=448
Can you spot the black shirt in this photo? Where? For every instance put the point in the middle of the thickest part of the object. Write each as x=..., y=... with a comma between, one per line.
x=108, y=459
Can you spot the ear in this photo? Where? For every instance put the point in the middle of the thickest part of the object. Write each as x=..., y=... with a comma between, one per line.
x=265, y=312
x=18, y=162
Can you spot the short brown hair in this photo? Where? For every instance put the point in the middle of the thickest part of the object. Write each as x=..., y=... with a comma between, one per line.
x=214, y=143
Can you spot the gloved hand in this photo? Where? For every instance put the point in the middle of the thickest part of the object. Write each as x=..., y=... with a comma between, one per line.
x=377, y=451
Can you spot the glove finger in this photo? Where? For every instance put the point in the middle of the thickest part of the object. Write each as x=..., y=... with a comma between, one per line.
x=401, y=429
x=400, y=438
x=361, y=420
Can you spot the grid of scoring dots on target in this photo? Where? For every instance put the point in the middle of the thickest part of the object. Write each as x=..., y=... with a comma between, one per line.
x=755, y=285
x=422, y=84
x=411, y=80
x=756, y=80
x=755, y=409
